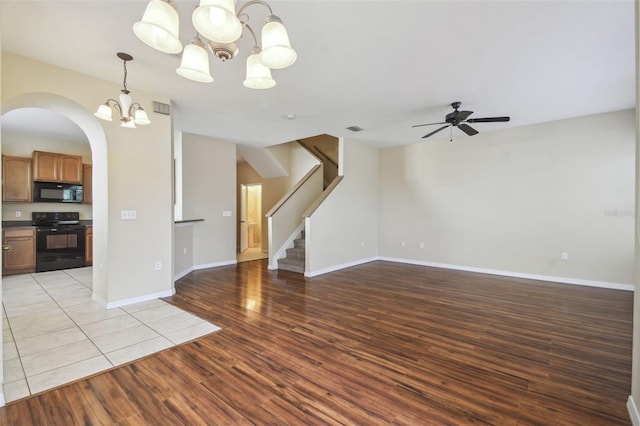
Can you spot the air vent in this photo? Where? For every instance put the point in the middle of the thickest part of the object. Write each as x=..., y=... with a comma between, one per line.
x=161, y=108
x=355, y=128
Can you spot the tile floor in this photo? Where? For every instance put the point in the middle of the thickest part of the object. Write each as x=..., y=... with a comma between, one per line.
x=53, y=333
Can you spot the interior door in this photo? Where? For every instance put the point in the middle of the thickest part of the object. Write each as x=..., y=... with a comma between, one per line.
x=244, y=224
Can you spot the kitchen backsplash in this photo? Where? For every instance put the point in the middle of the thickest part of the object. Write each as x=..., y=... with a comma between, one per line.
x=9, y=210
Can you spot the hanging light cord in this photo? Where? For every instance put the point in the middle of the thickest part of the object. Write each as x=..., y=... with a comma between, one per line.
x=124, y=82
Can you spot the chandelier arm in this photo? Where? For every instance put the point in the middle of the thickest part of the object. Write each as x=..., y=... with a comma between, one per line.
x=255, y=39
x=114, y=104
x=251, y=3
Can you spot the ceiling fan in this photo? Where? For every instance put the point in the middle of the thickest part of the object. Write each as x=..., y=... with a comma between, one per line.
x=459, y=119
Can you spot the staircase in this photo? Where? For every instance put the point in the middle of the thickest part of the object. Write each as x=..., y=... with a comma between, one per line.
x=294, y=261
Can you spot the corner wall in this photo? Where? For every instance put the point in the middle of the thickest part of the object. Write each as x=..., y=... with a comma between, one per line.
x=208, y=191
x=514, y=200
x=343, y=231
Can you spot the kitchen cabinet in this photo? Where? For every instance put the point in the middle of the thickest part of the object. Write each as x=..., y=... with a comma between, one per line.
x=87, y=183
x=55, y=167
x=89, y=246
x=16, y=179
x=20, y=258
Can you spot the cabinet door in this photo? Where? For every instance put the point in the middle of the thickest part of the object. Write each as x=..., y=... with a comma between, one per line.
x=22, y=256
x=16, y=179
x=89, y=246
x=70, y=168
x=87, y=182
x=46, y=166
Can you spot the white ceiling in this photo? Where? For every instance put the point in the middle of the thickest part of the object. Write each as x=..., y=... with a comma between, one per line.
x=381, y=65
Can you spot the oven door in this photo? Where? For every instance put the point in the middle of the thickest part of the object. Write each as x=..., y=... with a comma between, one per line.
x=61, y=247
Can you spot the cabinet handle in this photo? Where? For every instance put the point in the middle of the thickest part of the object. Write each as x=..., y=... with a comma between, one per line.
x=7, y=247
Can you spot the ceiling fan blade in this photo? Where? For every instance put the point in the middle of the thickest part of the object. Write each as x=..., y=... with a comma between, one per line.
x=462, y=115
x=488, y=120
x=435, y=131
x=467, y=129
x=430, y=124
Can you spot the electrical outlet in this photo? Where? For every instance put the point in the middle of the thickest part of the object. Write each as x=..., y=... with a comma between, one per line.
x=564, y=255
x=421, y=245
x=18, y=213
x=185, y=250
x=158, y=265
x=403, y=244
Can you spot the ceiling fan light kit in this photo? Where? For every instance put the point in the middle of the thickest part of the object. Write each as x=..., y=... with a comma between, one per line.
x=459, y=119
x=130, y=113
x=222, y=26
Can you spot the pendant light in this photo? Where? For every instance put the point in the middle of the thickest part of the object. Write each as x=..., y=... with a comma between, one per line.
x=130, y=113
x=159, y=27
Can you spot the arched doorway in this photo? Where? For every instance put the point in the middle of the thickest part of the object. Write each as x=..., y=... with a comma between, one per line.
x=97, y=140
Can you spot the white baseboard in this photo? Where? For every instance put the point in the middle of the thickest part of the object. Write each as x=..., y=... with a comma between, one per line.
x=203, y=266
x=563, y=280
x=183, y=274
x=139, y=299
x=633, y=411
x=338, y=267
x=215, y=264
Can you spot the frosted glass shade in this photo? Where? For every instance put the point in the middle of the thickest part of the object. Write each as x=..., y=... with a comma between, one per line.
x=258, y=76
x=141, y=117
x=217, y=20
x=276, y=48
x=128, y=124
x=159, y=27
x=104, y=112
x=195, y=64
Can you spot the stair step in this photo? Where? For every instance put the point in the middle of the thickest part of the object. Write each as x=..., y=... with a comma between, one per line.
x=295, y=253
x=298, y=243
x=292, y=265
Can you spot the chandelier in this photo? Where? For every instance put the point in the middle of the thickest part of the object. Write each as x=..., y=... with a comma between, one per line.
x=218, y=22
x=130, y=113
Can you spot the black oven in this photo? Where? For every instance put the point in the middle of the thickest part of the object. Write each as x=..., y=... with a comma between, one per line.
x=60, y=241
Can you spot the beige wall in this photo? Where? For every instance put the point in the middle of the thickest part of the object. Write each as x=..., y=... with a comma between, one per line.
x=513, y=200
x=344, y=228
x=132, y=171
x=209, y=189
x=23, y=145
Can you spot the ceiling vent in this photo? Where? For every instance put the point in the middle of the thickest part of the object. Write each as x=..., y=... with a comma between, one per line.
x=355, y=128
x=161, y=108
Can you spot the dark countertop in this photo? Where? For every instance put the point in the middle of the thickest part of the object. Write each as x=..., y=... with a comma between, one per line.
x=188, y=221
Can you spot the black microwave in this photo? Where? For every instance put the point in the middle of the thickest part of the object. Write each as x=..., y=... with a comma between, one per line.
x=51, y=192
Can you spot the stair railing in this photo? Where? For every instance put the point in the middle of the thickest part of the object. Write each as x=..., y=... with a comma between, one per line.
x=286, y=216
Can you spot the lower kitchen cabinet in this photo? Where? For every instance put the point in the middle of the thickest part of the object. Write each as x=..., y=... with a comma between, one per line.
x=89, y=246
x=20, y=258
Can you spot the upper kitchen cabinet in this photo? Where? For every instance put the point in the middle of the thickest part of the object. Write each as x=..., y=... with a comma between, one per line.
x=87, y=183
x=16, y=179
x=55, y=167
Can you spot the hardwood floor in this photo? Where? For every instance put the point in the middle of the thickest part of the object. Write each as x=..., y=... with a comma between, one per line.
x=380, y=343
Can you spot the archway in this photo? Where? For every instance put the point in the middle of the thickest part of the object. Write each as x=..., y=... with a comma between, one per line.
x=97, y=140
